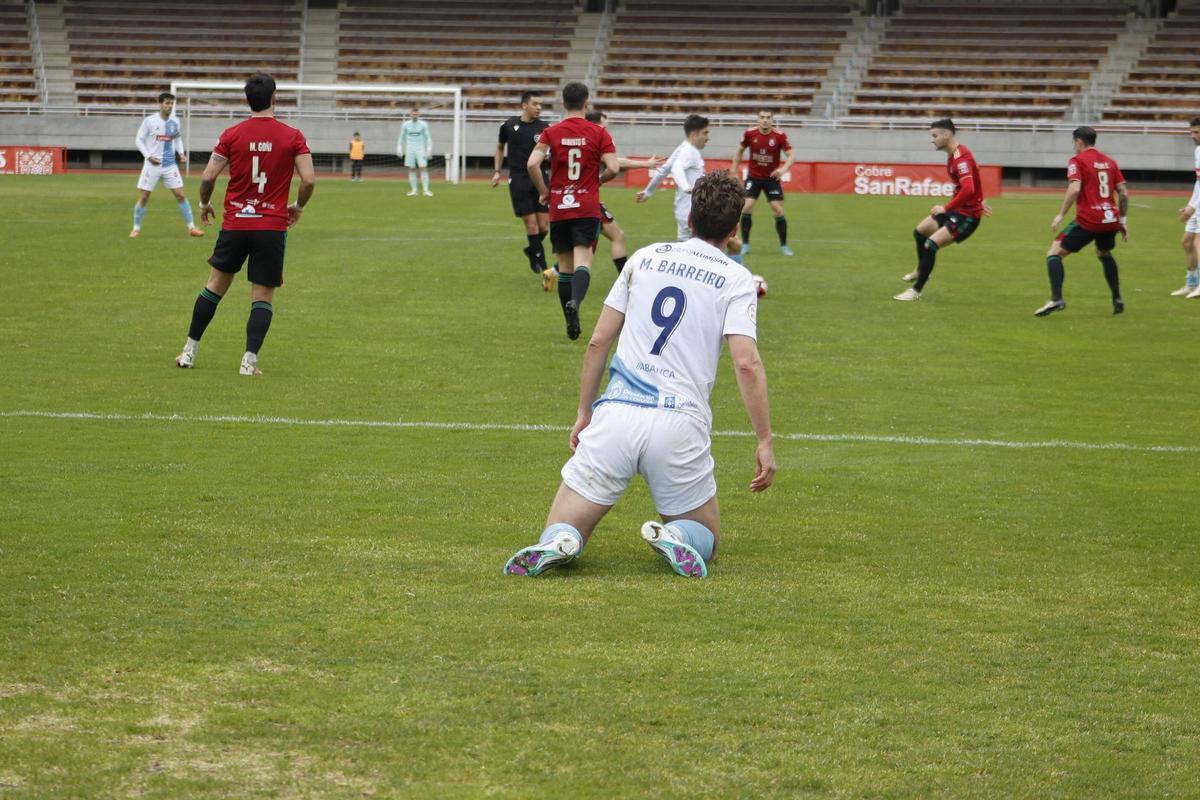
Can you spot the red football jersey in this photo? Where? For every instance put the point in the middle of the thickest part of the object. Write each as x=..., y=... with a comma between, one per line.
x=262, y=153
x=576, y=147
x=766, y=150
x=1098, y=175
x=968, y=185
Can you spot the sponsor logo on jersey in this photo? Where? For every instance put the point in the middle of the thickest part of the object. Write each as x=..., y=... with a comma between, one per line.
x=248, y=212
x=568, y=201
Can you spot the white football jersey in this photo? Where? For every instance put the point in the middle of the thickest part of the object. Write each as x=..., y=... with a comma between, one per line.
x=685, y=166
x=160, y=138
x=680, y=300
x=1196, y=189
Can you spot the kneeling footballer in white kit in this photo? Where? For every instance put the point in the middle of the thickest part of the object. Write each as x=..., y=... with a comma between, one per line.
x=672, y=307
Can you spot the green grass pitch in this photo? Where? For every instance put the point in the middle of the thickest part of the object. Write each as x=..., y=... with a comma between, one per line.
x=976, y=576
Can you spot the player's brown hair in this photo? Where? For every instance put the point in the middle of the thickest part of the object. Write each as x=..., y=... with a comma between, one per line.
x=717, y=200
x=1195, y=123
x=945, y=123
x=165, y=96
x=1085, y=134
x=574, y=95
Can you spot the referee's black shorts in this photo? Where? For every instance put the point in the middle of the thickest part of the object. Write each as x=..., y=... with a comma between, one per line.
x=524, y=196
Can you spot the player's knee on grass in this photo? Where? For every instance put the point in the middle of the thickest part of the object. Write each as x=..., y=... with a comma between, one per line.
x=697, y=535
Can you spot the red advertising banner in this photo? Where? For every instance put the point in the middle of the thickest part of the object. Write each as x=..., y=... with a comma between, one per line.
x=22, y=160
x=864, y=178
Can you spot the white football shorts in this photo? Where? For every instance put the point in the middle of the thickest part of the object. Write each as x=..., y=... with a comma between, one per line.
x=1193, y=223
x=415, y=160
x=152, y=174
x=671, y=449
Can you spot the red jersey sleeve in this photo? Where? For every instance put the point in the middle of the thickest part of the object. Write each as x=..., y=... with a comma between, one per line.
x=746, y=138
x=1073, y=171
x=606, y=143
x=784, y=145
x=222, y=148
x=966, y=186
x=1119, y=178
x=300, y=144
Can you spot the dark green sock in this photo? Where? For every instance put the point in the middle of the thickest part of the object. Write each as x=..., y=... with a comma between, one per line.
x=620, y=263
x=564, y=288
x=746, y=222
x=257, y=325
x=202, y=313
x=579, y=287
x=781, y=229
x=925, y=267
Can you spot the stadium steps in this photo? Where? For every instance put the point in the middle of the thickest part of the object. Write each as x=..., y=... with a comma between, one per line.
x=319, y=47
x=60, y=78
x=1113, y=70
x=848, y=68
x=587, y=37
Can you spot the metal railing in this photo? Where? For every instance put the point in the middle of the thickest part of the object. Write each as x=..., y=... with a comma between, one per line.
x=39, y=59
x=599, y=45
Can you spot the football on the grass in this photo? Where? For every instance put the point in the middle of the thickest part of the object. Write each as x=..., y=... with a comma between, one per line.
x=760, y=283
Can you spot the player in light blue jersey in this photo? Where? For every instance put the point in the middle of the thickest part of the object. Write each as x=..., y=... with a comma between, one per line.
x=414, y=147
x=673, y=309
x=160, y=142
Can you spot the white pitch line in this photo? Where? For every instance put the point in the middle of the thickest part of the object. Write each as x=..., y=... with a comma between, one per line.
x=846, y=438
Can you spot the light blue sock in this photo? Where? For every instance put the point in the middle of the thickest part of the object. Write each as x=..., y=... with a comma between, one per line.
x=561, y=527
x=185, y=208
x=412, y=180
x=737, y=257
x=697, y=535
x=139, y=213
x=1193, y=278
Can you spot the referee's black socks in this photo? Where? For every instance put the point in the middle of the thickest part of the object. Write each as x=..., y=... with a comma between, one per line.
x=619, y=263
x=925, y=265
x=1054, y=267
x=781, y=229
x=257, y=325
x=535, y=251
x=202, y=312
x=747, y=220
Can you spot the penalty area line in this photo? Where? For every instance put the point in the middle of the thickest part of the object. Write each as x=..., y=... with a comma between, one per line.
x=833, y=438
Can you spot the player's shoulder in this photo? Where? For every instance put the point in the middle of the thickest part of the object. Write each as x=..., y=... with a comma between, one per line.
x=964, y=153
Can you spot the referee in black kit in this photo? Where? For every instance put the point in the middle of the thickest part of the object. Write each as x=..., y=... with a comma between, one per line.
x=519, y=135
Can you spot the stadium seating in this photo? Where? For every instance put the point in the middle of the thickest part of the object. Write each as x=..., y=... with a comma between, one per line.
x=125, y=53
x=993, y=61
x=1163, y=87
x=494, y=55
x=669, y=57
x=17, y=82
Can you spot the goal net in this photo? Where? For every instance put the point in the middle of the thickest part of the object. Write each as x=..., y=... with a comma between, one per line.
x=330, y=114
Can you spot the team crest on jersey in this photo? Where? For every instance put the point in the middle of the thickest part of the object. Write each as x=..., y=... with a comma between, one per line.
x=770, y=142
x=248, y=212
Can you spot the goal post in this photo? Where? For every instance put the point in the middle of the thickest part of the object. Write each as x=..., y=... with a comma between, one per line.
x=319, y=102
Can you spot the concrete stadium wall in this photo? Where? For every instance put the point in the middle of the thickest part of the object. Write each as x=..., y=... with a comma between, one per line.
x=1045, y=149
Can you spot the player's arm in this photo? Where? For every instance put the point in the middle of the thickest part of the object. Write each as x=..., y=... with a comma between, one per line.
x=1123, y=209
x=1073, y=189
x=400, y=144
x=216, y=165
x=737, y=158
x=534, y=167
x=497, y=162
x=612, y=167
x=177, y=143
x=787, y=164
x=608, y=328
x=1193, y=203
x=752, y=383
x=966, y=188
x=428, y=136
x=308, y=182
x=658, y=176
x=653, y=162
